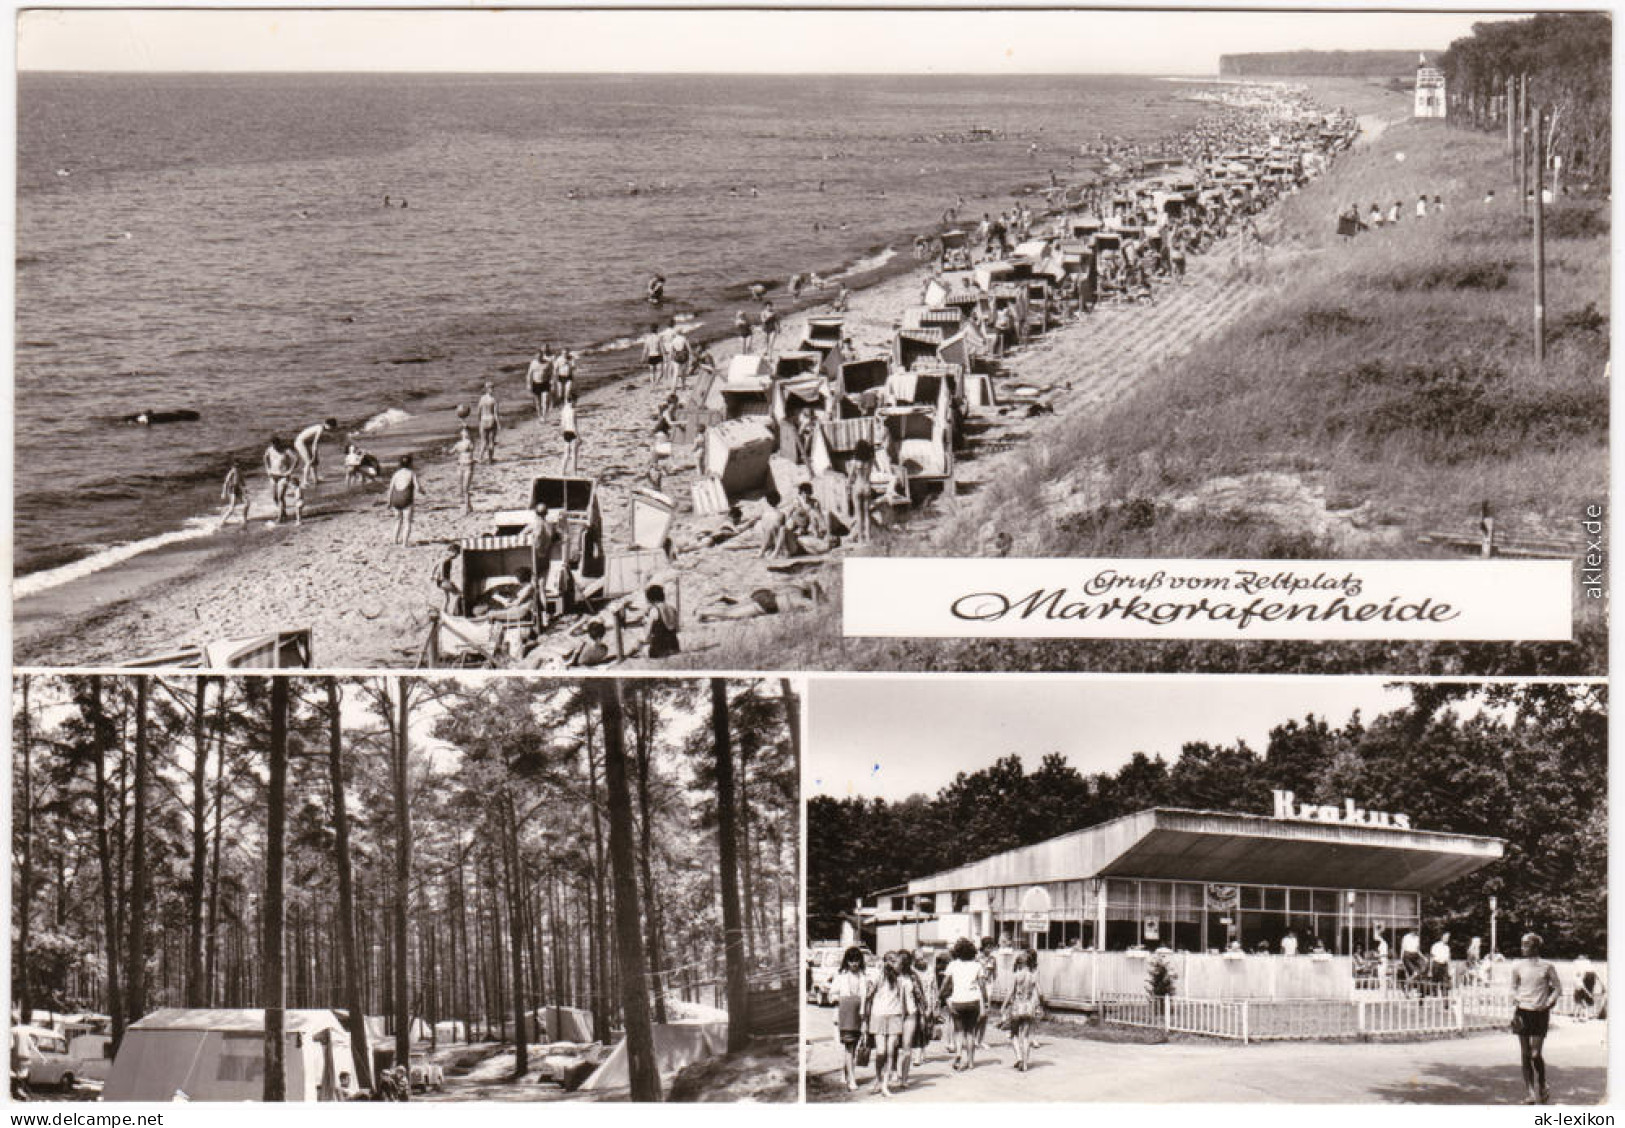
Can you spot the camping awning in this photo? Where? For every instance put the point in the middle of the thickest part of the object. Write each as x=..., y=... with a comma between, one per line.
x=1170, y=844
x=242, y=1021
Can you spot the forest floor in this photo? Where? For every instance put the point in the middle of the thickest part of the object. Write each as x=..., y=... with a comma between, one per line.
x=764, y=1072
x=483, y=1071
x=1476, y=1069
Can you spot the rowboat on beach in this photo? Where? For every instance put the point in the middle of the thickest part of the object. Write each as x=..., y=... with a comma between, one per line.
x=276, y=650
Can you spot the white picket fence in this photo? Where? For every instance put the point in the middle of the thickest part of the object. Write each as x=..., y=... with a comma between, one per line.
x=1263, y=1020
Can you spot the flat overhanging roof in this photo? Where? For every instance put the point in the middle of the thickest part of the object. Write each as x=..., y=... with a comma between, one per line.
x=1166, y=843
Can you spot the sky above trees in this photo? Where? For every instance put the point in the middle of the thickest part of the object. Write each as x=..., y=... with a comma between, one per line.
x=770, y=42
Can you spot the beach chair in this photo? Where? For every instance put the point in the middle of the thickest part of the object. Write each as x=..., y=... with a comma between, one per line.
x=581, y=523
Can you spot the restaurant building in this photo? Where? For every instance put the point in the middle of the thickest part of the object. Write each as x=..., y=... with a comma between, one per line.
x=1334, y=877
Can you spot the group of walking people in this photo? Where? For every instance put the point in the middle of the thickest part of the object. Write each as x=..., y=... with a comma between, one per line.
x=894, y=1012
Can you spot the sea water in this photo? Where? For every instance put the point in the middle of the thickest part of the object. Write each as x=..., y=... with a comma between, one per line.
x=222, y=244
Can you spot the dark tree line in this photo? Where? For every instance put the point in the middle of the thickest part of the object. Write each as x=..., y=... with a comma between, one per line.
x=1530, y=766
x=1305, y=64
x=453, y=852
x=1568, y=60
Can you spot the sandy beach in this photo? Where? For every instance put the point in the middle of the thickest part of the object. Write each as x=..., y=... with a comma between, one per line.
x=369, y=602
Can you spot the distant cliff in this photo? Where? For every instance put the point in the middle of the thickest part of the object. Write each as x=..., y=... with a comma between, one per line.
x=1283, y=64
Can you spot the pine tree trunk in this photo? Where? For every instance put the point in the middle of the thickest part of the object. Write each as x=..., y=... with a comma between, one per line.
x=600, y=1000
x=212, y=969
x=196, y=988
x=349, y=962
x=516, y=931
x=25, y=899
x=643, y=734
x=102, y=739
x=273, y=989
x=403, y=873
x=746, y=877
x=640, y=1054
x=733, y=938
x=138, y=862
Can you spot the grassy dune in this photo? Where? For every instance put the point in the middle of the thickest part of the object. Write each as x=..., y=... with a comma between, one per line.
x=1386, y=388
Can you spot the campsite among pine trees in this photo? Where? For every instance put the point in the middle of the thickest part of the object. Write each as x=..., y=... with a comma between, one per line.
x=340, y=888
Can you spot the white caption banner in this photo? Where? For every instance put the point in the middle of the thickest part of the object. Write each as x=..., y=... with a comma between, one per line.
x=1467, y=600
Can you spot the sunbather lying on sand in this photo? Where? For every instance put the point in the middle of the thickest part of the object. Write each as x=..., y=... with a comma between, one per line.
x=763, y=601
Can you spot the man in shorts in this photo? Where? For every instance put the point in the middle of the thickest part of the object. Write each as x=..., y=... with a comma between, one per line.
x=653, y=353
x=279, y=463
x=1535, y=990
x=539, y=380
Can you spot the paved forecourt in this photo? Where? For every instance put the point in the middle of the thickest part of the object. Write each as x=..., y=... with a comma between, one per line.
x=1476, y=1069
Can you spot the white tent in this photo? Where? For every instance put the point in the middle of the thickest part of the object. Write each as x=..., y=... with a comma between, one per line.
x=676, y=1044
x=219, y=1055
x=564, y=1024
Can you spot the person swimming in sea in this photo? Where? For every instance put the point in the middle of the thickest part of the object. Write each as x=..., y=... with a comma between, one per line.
x=150, y=417
x=655, y=291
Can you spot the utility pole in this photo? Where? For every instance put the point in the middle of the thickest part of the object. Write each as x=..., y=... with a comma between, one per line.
x=1540, y=237
x=1523, y=144
x=1509, y=111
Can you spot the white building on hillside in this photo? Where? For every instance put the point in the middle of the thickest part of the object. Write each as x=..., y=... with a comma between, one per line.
x=1430, y=101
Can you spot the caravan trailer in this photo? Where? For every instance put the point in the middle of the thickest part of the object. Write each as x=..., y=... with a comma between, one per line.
x=219, y=1055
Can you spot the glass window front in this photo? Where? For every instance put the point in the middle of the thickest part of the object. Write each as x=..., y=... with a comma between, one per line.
x=1195, y=916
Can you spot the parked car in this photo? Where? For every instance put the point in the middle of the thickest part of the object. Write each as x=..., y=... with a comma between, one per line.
x=426, y=1075
x=41, y=1057
x=822, y=964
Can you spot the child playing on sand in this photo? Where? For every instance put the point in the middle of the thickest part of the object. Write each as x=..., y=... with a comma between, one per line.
x=233, y=494
x=444, y=569
x=296, y=501
x=352, y=465
x=592, y=651
x=463, y=448
x=571, y=436
x=661, y=639
x=404, y=489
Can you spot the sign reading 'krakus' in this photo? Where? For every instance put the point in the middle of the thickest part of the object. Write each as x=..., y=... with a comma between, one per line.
x=968, y=597
x=1349, y=814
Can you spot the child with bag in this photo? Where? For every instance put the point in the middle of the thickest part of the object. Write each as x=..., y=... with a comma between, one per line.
x=851, y=991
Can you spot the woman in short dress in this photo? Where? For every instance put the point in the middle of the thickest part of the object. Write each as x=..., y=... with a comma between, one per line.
x=890, y=1003
x=1021, y=1007
x=851, y=990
